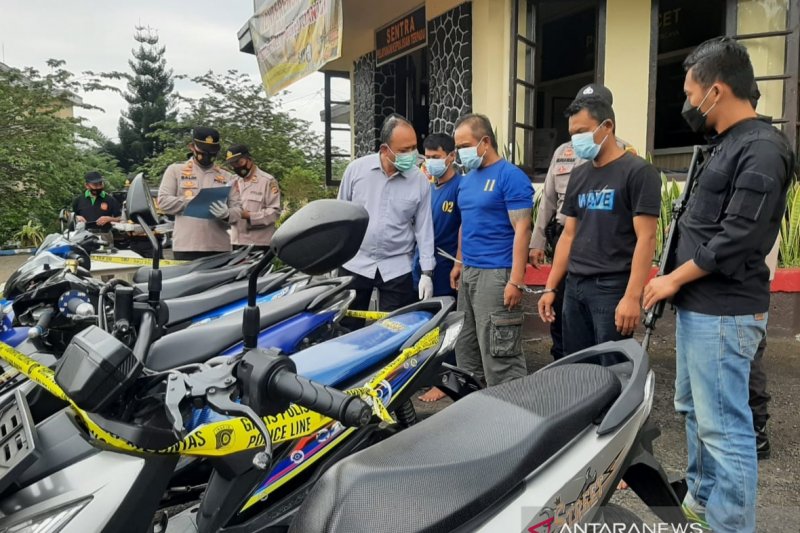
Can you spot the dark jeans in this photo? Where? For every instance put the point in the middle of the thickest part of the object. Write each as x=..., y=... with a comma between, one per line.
x=759, y=397
x=590, y=303
x=191, y=256
x=394, y=294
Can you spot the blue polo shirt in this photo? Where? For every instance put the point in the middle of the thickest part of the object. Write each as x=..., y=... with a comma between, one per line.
x=446, y=221
x=485, y=196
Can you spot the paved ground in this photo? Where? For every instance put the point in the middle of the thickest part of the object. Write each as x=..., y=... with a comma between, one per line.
x=779, y=477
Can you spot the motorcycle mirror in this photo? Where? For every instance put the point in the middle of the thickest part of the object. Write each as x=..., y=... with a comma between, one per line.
x=142, y=209
x=321, y=236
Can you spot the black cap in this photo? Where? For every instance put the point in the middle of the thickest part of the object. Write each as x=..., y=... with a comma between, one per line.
x=206, y=139
x=595, y=89
x=235, y=151
x=93, y=177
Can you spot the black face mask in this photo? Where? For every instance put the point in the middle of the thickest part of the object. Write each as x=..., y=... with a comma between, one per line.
x=695, y=118
x=95, y=192
x=205, y=159
x=242, y=171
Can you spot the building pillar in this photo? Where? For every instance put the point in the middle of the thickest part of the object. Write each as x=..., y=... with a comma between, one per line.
x=627, y=67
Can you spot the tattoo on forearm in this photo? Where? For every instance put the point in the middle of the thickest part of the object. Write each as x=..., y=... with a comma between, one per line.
x=516, y=215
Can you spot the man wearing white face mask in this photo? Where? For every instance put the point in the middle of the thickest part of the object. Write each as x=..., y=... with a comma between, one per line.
x=606, y=249
x=397, y=196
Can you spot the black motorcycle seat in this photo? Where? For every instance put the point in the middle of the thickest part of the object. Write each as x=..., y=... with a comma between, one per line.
x=206, y=263
x=446, y=470
x=198, y=344
x=195, y=282
x=183, y=308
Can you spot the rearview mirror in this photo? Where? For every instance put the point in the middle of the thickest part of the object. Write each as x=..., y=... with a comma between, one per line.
x=140, y=202
x=321, y=236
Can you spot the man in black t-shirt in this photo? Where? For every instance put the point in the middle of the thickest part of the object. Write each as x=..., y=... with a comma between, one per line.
x=606, y=249
x=95, y=207
x=721, y=283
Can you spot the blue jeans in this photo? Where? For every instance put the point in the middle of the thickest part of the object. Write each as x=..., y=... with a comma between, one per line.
x=711, y=390
x=590, y=303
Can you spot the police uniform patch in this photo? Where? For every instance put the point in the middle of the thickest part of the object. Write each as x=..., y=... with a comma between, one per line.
x=188, y=193
x=189, y=184
x=274, y=189
x=220, y=179
x=563, y=169
x=104, y=206
x=568, y=152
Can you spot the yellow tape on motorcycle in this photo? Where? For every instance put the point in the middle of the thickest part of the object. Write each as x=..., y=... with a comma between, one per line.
x=134, y=261
x=367, y=315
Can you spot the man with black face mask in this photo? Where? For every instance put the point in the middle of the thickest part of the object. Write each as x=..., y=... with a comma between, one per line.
x=721, y=284
x=199, y=237
x=261, y=199
x=96, y=208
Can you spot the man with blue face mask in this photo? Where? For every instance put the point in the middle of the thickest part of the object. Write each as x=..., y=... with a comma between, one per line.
x=495, y=198
x=612, y=205
x=440, y=156
x=397, y=196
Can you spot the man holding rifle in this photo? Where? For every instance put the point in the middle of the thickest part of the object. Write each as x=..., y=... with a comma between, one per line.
x=721, y=283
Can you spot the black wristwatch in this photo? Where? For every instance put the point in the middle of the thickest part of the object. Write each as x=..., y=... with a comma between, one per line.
x=428, y=273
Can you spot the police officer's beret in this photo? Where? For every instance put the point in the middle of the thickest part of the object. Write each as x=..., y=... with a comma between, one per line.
x=595, y=89
x=93, y=177
x=206, y=139
x=235, y=151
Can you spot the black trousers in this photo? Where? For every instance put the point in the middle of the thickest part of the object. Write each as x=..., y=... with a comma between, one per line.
x=759, y=397
x=394, y=294
x=191, y=256
x=556, y=333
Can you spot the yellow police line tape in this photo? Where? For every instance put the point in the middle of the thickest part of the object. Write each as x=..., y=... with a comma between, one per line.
x=368, y=315
x=232, y=435
x=140, y=261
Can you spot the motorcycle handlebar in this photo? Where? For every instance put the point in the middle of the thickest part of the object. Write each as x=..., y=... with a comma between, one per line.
x=352, y=411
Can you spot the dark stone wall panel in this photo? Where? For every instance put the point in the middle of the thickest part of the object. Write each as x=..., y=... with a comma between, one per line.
x=450, y=57
x=364, y=102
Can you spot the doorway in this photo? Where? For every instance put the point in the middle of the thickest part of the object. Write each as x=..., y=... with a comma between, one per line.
x=411, y=90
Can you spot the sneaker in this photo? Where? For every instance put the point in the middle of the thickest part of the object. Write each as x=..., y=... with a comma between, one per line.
x=696, y=517
x=762, y=442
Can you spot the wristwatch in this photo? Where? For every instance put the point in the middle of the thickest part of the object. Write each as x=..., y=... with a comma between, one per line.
x=428, y=273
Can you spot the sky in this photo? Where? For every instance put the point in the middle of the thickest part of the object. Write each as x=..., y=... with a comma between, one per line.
x=98, y=36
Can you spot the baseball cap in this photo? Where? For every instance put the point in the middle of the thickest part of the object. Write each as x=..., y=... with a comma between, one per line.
x=595, y=89
x=93, y=177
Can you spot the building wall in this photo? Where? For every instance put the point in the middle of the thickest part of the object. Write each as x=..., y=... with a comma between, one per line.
x=491, y=28
x=627, y=66
x=450, y=67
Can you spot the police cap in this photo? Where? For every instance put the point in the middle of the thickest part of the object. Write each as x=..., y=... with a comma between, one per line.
x=206, y=139
x=595, y=89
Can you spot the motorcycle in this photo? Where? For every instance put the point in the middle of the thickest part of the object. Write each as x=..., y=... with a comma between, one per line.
x=131, y=415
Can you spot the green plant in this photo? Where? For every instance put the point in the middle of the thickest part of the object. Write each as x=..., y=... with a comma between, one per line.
x=31, y=234
x=669, y=193
x=790, y=229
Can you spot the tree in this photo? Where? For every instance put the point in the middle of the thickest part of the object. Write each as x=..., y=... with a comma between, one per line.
x=44, y=154
x=150, y=101
x=237, y=106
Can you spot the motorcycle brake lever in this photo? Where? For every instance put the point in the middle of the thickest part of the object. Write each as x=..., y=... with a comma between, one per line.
x=220, y=400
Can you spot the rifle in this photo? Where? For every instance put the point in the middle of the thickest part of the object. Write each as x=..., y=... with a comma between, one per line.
x=667, y=262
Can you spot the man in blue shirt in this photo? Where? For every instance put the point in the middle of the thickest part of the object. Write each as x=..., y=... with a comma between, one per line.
x=440, y=155
x=495, y=199
x=396, y=194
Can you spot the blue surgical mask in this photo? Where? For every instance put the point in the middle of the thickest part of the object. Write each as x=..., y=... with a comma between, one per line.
x=404, y=162
x=436, y=167
x=469, y=157
x=584, y=145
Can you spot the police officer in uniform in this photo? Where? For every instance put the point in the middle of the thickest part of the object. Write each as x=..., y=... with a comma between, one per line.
x=261, y=199
x=550, y=221
x=199, y=237
x=95, y=207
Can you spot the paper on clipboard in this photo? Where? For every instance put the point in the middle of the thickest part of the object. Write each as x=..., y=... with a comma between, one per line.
x=200, y=204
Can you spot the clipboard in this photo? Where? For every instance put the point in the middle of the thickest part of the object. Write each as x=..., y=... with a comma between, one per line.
x=200, y=204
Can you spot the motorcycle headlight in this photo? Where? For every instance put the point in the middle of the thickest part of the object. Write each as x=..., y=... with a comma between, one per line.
x=50, y=521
